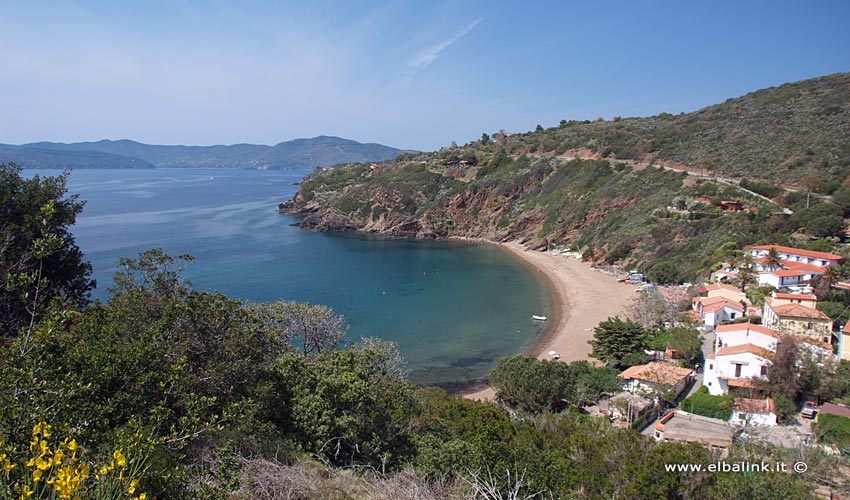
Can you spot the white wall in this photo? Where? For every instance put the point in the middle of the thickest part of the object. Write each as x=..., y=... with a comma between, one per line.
x=722, y=368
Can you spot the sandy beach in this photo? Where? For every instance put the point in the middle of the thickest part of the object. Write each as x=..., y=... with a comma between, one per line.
x=581, y=297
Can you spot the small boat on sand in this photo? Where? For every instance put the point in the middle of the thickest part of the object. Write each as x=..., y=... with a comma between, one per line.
x=538, y=318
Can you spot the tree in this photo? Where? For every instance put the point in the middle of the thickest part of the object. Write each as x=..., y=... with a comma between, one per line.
x=745, y=265
x=313, y=328
x=615, y=339
x=685, y=340
x=772, y=260
x=539, y=128
x=665, y=272
x=39, y=258
x=350, y=405
x=485, y=139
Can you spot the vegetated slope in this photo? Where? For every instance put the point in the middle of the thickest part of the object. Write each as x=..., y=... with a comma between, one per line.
x=613, y=212
x=779, y=135
x=514, y=188
x=47, y=158
x=298, y=153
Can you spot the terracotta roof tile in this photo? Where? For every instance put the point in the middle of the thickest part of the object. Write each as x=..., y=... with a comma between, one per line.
x=799, y=311
x=661, y=373
x=799, y=251
x=747, y=327
x=748, y=348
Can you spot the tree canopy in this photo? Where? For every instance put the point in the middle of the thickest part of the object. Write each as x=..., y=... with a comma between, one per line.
x=39, y=258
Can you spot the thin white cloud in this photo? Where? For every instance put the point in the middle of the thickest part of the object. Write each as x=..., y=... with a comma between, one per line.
x=429, y=54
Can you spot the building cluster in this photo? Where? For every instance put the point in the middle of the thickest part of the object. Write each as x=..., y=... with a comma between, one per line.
x=746, y=339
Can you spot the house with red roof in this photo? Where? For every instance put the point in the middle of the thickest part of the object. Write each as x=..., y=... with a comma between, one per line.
x=747, y=411
x=799, y=255
x=798, y=265
x=797, y=314
x=656, y=377
x=736, y=366
x=719, y=302
x=745, y=333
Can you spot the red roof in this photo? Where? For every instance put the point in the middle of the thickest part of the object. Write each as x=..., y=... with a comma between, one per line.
x=660, y=373
x=799, y=251
x=802, y=266
x=741, y=382
x=744, y=348
x=846, y=327
x=718, y=286
x=736, y=327
x=754, y=406
x=796, y=296
x=816, y=342
x=798, y=311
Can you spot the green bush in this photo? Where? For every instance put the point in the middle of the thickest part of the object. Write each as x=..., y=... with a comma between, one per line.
x=703, y=403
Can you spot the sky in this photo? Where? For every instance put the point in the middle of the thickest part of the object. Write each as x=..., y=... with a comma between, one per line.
x=414, y=74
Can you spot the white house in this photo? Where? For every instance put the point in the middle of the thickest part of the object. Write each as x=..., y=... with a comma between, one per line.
x=798, y=265
x=795, y=255
x=781, y=278
x=715, y=310
x=735, y=366
x=747, y=411
x=745, y=333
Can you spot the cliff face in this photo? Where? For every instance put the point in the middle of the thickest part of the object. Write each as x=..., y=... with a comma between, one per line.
x=470, y=213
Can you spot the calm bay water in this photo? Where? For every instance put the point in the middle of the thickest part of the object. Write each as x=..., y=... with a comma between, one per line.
x=453, y=309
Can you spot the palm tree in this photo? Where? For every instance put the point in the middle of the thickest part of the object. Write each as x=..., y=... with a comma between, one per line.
x=773, y=261
x=831, y=275
x=745, y=269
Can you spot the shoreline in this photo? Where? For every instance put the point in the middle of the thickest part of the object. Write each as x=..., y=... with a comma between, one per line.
x=580, y=296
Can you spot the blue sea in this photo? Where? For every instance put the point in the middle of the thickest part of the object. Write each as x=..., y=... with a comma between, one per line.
x=453, y=309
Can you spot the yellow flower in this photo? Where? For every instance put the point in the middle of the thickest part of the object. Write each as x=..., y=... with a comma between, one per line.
x=72, y=446
x=26, y=492
x=42, y=428
x=132, y=488
x=42, y=464
x=36, y=475
x=7, y=466
x=57, y=457
x=119, y=457
x=143, y=496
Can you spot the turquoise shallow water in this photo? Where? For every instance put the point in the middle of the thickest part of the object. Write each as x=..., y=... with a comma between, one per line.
x=453, y=309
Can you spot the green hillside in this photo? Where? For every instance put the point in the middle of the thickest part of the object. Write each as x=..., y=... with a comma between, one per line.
x=779, y=134
x=672, y=223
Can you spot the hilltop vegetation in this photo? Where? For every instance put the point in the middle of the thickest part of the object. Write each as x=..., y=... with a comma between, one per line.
x=778, y=135
x=670, y=223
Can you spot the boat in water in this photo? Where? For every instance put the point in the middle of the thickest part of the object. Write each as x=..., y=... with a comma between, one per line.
x=538, y=318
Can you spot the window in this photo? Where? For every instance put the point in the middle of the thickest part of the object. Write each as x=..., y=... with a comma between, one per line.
x=737, y=370
x=809, y=326
x=711, y=366
x=764, y=371
x=657, y=435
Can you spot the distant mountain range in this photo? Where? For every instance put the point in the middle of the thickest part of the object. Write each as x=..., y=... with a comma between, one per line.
x=319, y=151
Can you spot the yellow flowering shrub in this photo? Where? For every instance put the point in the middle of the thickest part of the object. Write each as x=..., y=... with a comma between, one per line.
x=54, y=469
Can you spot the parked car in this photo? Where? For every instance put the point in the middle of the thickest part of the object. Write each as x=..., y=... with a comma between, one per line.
x=808, y=409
